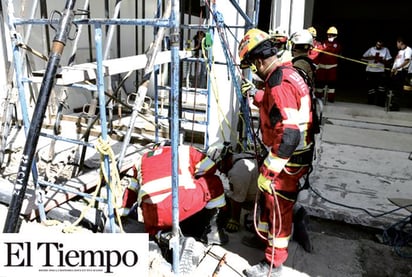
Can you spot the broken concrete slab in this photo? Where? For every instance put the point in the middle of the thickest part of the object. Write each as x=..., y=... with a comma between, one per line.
x=361, y=161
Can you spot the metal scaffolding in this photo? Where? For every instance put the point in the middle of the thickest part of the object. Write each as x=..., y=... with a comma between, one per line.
x=66, y=25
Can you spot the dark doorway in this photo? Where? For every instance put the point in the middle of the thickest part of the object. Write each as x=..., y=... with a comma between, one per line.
x=264, y=15
x=360, y=24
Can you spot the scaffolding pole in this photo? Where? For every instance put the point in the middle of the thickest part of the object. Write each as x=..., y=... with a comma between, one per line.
x=65, y=22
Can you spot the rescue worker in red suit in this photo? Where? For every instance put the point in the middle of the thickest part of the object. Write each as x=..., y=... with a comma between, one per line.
x=316, y=44
x=286, y=121
x=326, y=75
x=199, y=189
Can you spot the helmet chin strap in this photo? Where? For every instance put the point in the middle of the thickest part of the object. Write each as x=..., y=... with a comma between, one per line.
x=269, y=66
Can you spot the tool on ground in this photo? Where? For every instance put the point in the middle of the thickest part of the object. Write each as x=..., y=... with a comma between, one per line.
x=219, y=265
x=219, y=258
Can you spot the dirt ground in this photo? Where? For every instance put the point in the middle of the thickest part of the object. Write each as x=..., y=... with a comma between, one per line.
x=375, y=258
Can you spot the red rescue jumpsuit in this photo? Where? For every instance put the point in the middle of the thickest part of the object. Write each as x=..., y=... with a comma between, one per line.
x=313, y=54
x=285, y=116
x=326, y=74
x=199, y=187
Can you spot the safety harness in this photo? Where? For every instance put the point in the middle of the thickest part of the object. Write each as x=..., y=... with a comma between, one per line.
x=307, y=156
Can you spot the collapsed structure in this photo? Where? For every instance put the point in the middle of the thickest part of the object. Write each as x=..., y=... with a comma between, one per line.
x=68, y=71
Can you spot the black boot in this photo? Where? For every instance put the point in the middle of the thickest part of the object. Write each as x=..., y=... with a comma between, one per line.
x=248, y=222
x=214, y=232
x=371, y=96
x=300, y=233
x=254, y=241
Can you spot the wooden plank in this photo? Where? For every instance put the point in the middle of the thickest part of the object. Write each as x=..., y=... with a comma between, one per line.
x=68, y=75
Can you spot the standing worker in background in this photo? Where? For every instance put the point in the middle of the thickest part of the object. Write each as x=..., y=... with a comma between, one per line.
x=378, y=58
x=326, y=76
x=281, y=38
x=286, y=126
x=398, y=73
x=313, y=54
x=302, y=44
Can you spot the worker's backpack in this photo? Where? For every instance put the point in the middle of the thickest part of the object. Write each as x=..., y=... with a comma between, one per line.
x=317, y=109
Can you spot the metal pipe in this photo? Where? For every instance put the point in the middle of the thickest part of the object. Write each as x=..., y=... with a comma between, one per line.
x=156, y=89
x=77, y=39
x=244, y=108
x=29, y=27
x=136, y=34
x=143, y=36
x=89, y=35
x=151, y=57
x=109, y=36
x=106, y=55
x=249, y=22
x=11, y=224
x=18, y=62
x=65, y=139
x=102, y=108
x=92, y=21
x=44, y=14
x=174, y=47
x=71, y=190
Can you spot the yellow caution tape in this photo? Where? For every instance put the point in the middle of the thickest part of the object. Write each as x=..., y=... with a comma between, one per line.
x=350, y=59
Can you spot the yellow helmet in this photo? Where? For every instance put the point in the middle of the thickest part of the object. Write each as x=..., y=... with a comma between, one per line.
x=250, y=41
x=312, y=31
x=332, y=31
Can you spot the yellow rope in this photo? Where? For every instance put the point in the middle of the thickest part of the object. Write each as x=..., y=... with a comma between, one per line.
x=350, y=59
x=71, y=228
x=214, y=88
x=216, y=94
x=103, y=147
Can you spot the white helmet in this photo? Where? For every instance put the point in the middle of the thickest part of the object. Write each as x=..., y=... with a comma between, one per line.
x=279, y=32
x=302, y=37
x=279, y=35
x=218, y=151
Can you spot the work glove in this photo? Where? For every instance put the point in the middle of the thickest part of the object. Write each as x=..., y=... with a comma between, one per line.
x=232, y=226
x=265, y=184
x=248, y=88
